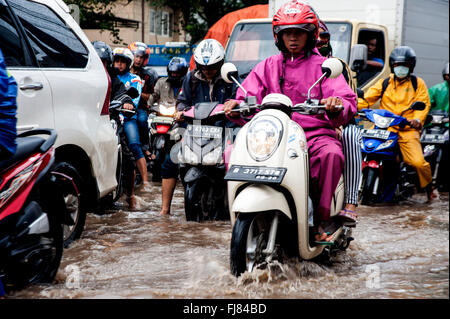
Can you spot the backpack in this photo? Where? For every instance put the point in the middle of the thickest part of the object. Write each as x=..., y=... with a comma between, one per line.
x=386, y=84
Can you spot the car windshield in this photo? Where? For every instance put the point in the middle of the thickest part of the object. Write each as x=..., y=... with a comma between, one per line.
x=340, y=37
x=249, y=44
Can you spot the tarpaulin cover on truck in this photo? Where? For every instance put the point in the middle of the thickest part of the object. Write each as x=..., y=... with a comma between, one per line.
x=221, y=30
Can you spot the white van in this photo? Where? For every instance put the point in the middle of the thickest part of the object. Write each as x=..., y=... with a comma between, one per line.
x=62, y=84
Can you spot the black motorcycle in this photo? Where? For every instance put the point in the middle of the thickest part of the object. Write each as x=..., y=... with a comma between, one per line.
x=435, y=143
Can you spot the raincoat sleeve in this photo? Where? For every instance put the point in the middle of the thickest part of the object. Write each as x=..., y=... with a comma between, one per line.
x=184, y=99
x=371, y=96
x=339, y=88
x=422, y=96
x=8, y=109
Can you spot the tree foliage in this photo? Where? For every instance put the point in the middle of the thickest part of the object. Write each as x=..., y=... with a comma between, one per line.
x=197, y=16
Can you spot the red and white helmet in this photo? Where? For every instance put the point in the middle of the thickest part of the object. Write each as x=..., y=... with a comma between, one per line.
x=140, y=49
x=295, y=14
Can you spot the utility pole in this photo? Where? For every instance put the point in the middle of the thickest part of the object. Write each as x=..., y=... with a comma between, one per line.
x=143, y=20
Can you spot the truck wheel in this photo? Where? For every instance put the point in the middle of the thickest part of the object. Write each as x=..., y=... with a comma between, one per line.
x=71, y=184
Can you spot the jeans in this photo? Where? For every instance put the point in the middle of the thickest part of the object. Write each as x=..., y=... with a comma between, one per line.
x=132, y=133
x=142, y=122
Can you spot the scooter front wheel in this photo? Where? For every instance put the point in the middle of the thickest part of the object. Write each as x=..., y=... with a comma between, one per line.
x=248, y=241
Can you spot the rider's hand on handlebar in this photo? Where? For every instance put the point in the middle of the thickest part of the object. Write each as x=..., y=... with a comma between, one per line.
x=415, y=123
x=332, y=104
x=178, y=115
x=228, y=106
x=128, y=106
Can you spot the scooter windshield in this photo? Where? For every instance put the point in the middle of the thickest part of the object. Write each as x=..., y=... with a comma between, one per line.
x=384, y=118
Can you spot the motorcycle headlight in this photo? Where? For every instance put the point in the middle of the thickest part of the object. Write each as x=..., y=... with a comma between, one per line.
x=168, y=110
x=381, y=121
x=263, y=137
x=214, y=157
x=385, y=145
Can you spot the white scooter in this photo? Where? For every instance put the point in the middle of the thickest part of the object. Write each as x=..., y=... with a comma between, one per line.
x=268, y=183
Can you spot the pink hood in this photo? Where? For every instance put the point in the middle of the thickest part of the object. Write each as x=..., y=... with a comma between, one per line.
x=300, y=74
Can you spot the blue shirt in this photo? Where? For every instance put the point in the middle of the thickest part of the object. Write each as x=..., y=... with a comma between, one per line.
x=8, y=109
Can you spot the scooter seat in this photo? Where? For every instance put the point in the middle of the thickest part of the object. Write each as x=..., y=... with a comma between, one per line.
x=25, y=147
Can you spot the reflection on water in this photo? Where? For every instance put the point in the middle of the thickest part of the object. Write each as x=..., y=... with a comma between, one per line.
x=398, y=252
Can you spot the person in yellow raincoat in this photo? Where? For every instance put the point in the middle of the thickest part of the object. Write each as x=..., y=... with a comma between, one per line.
x=402, y=90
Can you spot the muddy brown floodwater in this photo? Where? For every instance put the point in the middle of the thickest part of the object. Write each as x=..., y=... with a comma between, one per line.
x=399, y=252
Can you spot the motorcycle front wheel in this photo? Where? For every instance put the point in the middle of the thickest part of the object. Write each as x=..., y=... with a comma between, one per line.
x=248, y=240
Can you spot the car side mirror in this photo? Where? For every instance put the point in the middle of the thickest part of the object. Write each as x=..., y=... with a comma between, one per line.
x=418, y=106
x=358, y=58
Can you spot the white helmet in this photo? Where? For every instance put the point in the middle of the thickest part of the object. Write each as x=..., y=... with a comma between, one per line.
x=124, y=53
x=276, y=99
x=209, y=54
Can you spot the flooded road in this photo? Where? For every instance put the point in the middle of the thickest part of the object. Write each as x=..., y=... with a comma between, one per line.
x=398, y=252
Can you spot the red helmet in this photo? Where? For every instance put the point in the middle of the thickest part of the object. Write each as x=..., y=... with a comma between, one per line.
x=295, y=14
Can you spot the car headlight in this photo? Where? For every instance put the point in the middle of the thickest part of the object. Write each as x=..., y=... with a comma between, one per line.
x=263, y=137
x=381, y=121
x=168, y=110
x=385, y=145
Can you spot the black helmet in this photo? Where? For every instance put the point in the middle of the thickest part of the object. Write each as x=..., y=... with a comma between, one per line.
x=104, y=51
x=445, y=71
x=177, y=65
x=403, y=54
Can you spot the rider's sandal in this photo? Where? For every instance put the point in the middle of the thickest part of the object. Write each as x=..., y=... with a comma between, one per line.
x=348, y=217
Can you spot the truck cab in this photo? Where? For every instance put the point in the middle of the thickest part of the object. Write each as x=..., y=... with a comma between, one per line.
x=252, y=41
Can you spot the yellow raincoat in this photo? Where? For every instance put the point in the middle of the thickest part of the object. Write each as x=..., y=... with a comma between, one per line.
x=400, y=95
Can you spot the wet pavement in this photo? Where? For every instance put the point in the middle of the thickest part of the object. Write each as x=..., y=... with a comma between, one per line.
x=399, y=252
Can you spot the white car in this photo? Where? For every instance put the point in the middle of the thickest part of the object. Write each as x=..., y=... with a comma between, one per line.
x=62, y=84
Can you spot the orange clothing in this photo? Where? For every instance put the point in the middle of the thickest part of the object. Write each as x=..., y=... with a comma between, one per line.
x=400, y=95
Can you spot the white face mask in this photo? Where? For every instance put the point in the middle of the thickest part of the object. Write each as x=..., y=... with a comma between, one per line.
x=401, y=71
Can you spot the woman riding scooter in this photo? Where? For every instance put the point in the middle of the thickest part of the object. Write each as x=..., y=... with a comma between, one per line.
x=292, y=72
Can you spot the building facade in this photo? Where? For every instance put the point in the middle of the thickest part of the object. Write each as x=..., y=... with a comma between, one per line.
x=139, y=20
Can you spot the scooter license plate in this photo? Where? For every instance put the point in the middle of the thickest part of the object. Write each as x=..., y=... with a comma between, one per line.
x=381, y=134
x=257, y=174
x=205, y=131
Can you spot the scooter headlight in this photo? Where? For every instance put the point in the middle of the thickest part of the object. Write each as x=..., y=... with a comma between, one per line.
x=167, y=110
x=381, y=121
x=263, y=137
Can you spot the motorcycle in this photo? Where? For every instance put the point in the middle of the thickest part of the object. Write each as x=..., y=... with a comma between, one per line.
x=384, y=177
x=271, y=211
x=200, y=156
x=435, y=143
x=32, y=211
x=162, y=129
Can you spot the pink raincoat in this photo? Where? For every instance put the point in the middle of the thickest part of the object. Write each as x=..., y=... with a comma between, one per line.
x=325, y=150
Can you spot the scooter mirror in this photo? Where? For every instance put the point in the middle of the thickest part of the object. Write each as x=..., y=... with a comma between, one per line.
x=418, y=106
x=132, y=92
x=332, y=67
x=227, y=71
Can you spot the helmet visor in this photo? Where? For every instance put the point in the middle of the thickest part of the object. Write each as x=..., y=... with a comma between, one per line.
x=308, y=27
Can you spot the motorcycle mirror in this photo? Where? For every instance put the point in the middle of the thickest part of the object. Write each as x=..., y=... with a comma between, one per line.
x=418, y=106
x=229, y=74
x=132, y=92
x=332, y=67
